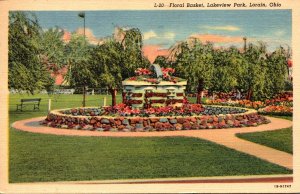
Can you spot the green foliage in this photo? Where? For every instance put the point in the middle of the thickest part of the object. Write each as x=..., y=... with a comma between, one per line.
x=52, y=48
x=117, y=59
x=77, y=49
x=288, y=86
x=78, y=54
x=276, y=71
x=227, y=68
x=162, y=61
x=255, y=72
x=106, y=64
x=26, y=72
x=266, y=73
x=195, y=63
x=34, y=54
x=132, y=51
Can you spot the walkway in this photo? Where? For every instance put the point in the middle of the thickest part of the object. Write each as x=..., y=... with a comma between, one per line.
x=224, y=137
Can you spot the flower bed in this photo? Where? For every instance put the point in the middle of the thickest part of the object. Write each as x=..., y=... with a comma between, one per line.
x=95, y=119
x=185, y=110
x=281, y=104
x=240, y=103
x=276, y=110
x=282, y=99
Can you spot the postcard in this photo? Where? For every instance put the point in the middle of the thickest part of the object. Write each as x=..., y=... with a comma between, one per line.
x=149, y=96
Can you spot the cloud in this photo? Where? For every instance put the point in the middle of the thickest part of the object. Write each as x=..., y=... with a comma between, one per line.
x=217, y=38
x=153, y=35
x=149, y=35
x=89, y=36
x=152, y=51
x=222, y=28
x=169, y=35
x=279, y=33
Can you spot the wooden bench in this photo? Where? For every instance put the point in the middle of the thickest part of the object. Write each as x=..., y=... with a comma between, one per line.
x=33, y=101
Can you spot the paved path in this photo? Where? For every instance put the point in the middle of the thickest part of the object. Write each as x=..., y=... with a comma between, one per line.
x=226, y=137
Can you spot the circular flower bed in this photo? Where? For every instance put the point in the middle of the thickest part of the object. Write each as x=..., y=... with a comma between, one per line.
x=190, y=110
x=192, y=117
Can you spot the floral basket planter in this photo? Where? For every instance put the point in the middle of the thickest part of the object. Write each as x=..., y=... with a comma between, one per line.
x=163, y=123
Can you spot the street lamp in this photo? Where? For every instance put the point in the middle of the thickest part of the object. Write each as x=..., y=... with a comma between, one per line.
x=82, y=15
x=245, y=43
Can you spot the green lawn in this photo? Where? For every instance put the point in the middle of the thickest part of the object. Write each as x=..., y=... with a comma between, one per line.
x=39, y=157
x=280, y=139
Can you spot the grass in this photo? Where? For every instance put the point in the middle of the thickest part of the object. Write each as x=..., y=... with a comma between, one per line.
x=279, y=139
x=39, y=157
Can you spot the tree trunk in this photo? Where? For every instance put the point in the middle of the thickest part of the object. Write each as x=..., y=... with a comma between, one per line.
x=124, y=97
x=249, y=94
x=83, y=100
x=200, y=90
x=113, y=92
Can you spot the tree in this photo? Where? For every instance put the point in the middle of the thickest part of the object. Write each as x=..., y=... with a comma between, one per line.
x=195, y=63
x=132, y=56
x=264, y=73
x=52, y=49
x=117, y=59
x=226, y=70
x=254, y=76
x=276, y=72
x=78, y=54
x=107, y=66
x=26, y=72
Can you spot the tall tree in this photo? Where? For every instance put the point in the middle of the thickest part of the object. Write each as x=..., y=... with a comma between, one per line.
x=276, y=72
x=195, y=63
x=117, y=59
x=26, y=72
x=254, y=75
x=226, y=64
x=107, y=66
x=132, y=44
x=78, y=54
x=52, y=48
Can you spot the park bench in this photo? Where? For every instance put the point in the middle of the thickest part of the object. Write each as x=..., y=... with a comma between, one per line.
x=33, y=101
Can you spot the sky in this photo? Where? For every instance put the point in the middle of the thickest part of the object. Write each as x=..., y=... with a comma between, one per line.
x=163, y=28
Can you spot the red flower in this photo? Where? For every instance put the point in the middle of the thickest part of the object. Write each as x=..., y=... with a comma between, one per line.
x=143, y=71
x=133, y=78
x=168, y=70
x=185, y=100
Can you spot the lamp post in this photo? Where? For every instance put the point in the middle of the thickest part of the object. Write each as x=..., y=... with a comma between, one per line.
x=245, y=43
x=82, y=15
